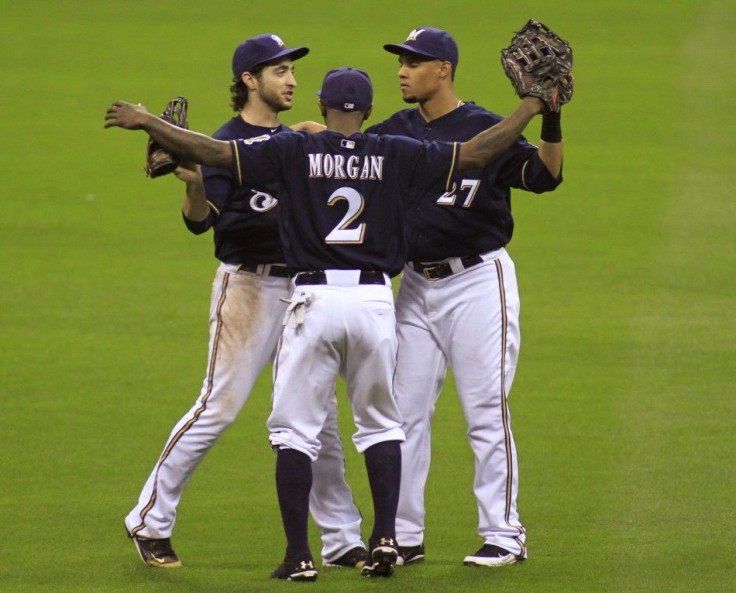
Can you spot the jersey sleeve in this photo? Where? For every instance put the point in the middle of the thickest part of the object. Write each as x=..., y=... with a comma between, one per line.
x=218, y=183
x=256, y=161
x=217, y=187
x=535, y=177
x=521, y=168
x=436, y=165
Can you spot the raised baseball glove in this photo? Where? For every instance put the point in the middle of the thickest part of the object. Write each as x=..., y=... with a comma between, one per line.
x=539, y=64
x=159, y=161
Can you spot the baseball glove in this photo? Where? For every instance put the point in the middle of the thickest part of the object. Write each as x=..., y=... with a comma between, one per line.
x=158, y=161
x=539, y=64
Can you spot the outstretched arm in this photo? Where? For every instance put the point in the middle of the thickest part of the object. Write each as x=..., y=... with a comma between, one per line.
x=481, y=149
x=191, y=145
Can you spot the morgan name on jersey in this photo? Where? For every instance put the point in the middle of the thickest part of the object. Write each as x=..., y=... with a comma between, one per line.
x=338, y=166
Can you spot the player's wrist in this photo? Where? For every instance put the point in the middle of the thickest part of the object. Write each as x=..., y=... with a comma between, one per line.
x=551, y=128
x=535, y=104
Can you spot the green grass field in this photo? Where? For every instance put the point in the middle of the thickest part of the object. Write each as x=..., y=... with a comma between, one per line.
x=623, y=404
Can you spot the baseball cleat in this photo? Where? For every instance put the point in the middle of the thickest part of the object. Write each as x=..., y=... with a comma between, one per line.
x=156, y=552
x=296, y=570
x=354, y=558
x=490, y=555
x=384, y=553
x=410, y=554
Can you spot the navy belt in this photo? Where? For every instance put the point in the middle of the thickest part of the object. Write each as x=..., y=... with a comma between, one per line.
x=319, y=277
x=275, y=270
x=440, y=270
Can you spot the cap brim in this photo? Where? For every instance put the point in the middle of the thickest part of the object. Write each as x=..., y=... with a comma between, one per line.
x=407, y=49
x=293, y=52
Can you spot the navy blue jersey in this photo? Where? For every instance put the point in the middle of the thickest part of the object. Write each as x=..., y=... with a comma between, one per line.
x=474, y=216
x=344, y=199
x=245, y=219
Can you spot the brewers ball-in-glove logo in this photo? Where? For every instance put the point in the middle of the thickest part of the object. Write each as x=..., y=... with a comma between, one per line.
x=260, y=201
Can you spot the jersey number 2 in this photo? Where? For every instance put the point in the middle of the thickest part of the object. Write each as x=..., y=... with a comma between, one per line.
x=342, y=233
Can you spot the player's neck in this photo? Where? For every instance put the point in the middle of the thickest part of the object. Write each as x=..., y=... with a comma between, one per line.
x=260, y=114
x=346, y=124
x=439, y=104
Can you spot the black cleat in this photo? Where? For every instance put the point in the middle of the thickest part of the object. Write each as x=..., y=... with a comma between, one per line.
x=410, y=554
x=384, y=553
x=155, y=552
x=490, y=555
x=296, y=570
x=354, y=558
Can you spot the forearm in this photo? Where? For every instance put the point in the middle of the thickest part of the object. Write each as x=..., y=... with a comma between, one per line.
x=194, y=205
x=189, y=144
x=550, y=153
x=550, y=145
x=480, y=150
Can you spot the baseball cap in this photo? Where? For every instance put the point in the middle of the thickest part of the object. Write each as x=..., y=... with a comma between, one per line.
x=347, y=89
x=428, y=42
x=258, y=50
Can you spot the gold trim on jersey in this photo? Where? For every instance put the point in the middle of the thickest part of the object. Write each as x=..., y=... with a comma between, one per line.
x=213, y=207
x=453, y=164
x=523, y=174
x=236, y=158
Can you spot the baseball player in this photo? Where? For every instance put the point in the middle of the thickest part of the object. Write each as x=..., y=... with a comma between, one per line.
x=458, y=303
x=344, y=197
x=245, y=321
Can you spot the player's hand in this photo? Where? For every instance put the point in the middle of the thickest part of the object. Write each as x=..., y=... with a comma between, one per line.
x=126, y=115
x=535, y=103
x=188, y=172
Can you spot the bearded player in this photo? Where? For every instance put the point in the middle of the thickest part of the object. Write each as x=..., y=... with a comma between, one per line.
x=245, y=321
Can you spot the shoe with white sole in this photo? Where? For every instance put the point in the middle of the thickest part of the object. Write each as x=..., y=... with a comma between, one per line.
x=490, y=555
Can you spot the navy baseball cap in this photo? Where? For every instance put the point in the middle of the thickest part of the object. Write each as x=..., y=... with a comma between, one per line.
x=347, y=89
x=430, y=43
x=258, y=50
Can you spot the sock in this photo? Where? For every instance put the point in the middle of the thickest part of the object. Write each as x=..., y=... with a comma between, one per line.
x=293, y=483
x=383, y=463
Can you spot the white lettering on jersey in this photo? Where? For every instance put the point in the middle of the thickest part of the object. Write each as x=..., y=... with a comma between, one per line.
x=315, y=165
x=449, y=197
x=342, y=233
x=338, y=167
x=255, y=139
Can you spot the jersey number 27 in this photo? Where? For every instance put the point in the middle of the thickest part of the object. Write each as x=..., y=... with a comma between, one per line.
x=449, y=197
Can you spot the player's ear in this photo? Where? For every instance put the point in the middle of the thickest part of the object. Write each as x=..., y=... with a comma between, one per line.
x=367, y=113
x=322, y=109
x=248, y=80
x=446, y=70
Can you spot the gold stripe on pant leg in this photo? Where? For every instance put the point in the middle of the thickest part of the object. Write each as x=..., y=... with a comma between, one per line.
x=210, y=373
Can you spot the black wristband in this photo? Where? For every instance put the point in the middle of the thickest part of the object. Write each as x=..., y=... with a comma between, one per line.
x=551, y=129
